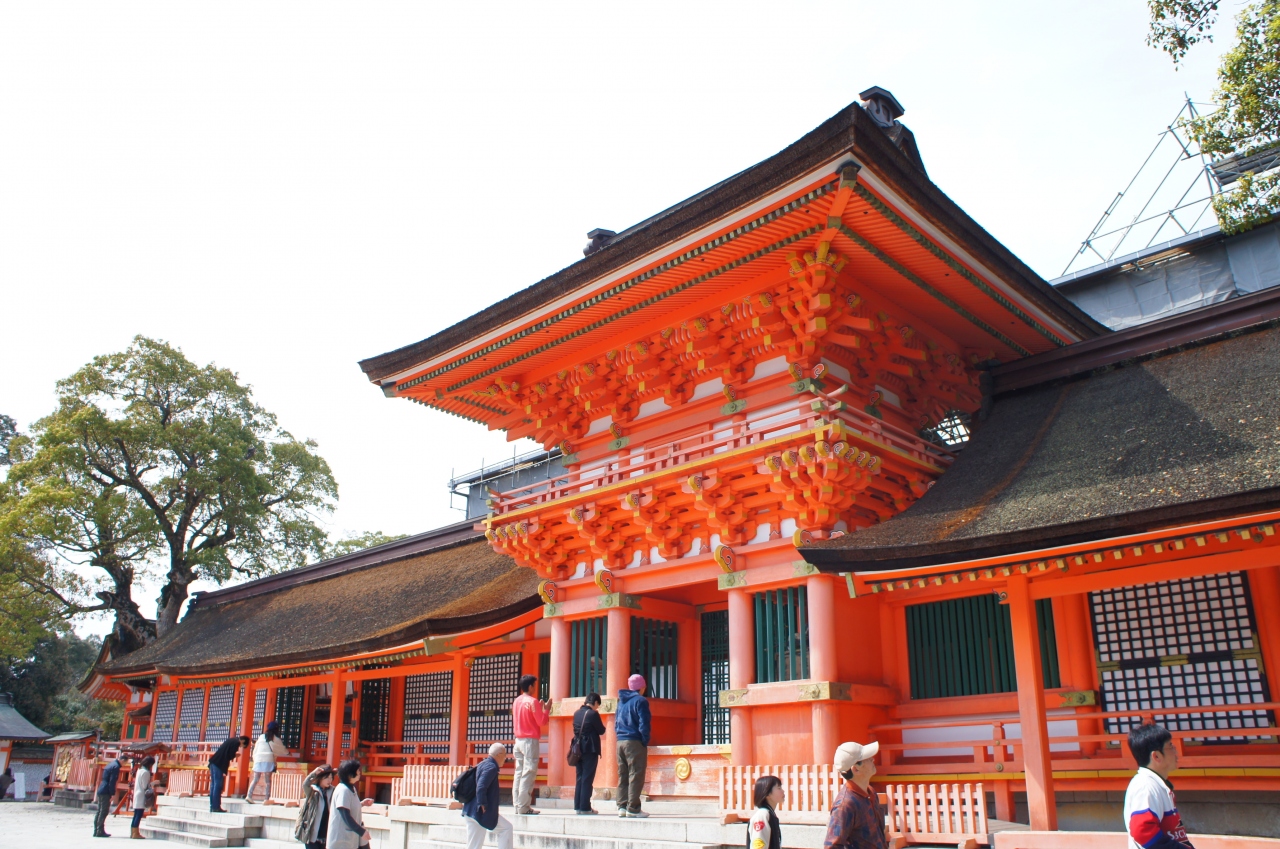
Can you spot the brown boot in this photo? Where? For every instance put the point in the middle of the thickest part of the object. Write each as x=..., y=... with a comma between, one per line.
x=136, y=834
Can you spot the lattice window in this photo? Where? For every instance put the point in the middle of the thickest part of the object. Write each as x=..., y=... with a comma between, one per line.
x=588, y=650
x=953, y=431
x=375, y=709
x=289, y=707
x=166, y=714
x=782, y=635
x=715, y=676
x=493, y=689
x=239, y=723
x=428, y=700
x=655, y=655
x=1180, y=643
x=190, y=712
x=964, y=647
x=217, y=725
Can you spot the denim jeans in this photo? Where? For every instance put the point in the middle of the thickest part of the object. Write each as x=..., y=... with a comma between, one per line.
x=217, y=778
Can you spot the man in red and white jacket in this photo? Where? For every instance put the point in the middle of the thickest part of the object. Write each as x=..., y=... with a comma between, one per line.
x=1150, y=809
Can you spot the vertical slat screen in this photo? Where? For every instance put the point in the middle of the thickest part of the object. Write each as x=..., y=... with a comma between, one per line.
x=588, y=650
x=715, y=676
x=289, y=703
x=375, y=709
x=544, y=675
x=964, y=647
x=654, y=653
x=782, y=635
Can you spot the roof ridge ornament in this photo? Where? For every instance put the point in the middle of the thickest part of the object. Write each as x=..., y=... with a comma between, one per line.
x=600, y=238
x=882, y=106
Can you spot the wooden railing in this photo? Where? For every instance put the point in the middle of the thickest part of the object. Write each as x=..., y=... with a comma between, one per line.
x=678, y=452
x=383, y=756
x=424, y=784
x=937, y=813
x=810, y=790
x=286, y=789
x=999, y=753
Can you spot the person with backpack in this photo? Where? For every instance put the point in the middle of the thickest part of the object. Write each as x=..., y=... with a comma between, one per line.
x=584, y=752
x=1150, y=809
x=631, y=724
x=481, y=810
x=141, y=787
x=312, y=825
x=763, y=830
x=265, y=751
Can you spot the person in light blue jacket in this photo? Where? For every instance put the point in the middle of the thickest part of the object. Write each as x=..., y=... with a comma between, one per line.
x=631, y=725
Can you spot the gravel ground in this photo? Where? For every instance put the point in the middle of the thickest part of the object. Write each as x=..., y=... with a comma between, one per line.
x=39, y=825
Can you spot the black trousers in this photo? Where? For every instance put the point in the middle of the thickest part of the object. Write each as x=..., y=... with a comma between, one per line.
x=586, y=778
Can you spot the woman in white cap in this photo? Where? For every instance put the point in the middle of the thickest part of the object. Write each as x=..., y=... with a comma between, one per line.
x=856, y=817
x=763, y=830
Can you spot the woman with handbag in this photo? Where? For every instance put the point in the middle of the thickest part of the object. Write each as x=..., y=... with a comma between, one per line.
x=141, y=787
x=584, y=752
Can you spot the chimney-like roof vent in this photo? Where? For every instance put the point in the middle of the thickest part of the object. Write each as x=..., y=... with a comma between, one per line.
x=599, y=239
x=882, y=106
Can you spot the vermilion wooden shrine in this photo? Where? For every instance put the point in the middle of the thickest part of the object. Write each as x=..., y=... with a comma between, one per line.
x=744, y=389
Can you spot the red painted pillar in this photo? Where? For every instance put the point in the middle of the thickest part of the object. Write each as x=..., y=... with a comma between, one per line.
x=1076, y=658
x=742, y=671
x=458, y=711
x=821, y=590
x=1264, y=587
x=337, y=704
x=246, y=730
x=1037, y=763
x=617, y=671
x=561, y=727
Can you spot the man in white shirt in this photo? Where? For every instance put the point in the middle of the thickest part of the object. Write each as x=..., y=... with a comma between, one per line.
x=1150, y=810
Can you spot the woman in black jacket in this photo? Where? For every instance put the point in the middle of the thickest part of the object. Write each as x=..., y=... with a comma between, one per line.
x=587, y=728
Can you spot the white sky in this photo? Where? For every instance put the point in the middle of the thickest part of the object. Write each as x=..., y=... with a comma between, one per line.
x=285, y=189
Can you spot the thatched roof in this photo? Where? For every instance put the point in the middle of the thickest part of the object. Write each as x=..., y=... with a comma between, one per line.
x=430, y=585
x=1188, y=434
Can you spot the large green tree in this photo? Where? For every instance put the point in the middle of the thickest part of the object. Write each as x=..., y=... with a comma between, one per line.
x=152, y=463
x=1246, y=125
x=43, y=683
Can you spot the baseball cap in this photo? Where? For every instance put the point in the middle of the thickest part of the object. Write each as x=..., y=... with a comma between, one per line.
x=850, y=753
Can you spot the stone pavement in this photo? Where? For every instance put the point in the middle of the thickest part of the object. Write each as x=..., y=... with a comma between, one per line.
x=39, y=825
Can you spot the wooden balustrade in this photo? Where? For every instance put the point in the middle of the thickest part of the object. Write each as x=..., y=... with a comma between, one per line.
x=383, y=756
x=694, y=447
x=424, y=784
x=182, y=783
x=810, y=790
x=998, y=753
x=937, y=813
x=286, y=789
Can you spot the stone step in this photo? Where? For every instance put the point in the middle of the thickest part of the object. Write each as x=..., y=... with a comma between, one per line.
x=544, y=832
x=234, y=833
x=235, y=820
x=205, y=840
x=653, y=806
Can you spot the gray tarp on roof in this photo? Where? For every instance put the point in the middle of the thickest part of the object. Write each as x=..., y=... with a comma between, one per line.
x=13, y=725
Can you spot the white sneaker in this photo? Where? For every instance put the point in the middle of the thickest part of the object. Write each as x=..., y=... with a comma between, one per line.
x=637, y=814
x=622, y=812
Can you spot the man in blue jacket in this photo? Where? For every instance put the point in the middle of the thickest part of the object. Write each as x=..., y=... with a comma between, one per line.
x=107, y=792
x=631, y=724
x=481, y=813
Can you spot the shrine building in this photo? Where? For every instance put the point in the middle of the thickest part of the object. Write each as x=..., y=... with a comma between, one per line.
x=830, y=463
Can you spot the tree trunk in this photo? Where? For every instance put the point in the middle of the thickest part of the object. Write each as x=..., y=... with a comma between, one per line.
x=132, y=630
x=172, y=597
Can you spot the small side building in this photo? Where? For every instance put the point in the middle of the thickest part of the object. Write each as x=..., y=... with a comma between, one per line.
x=20, y=749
